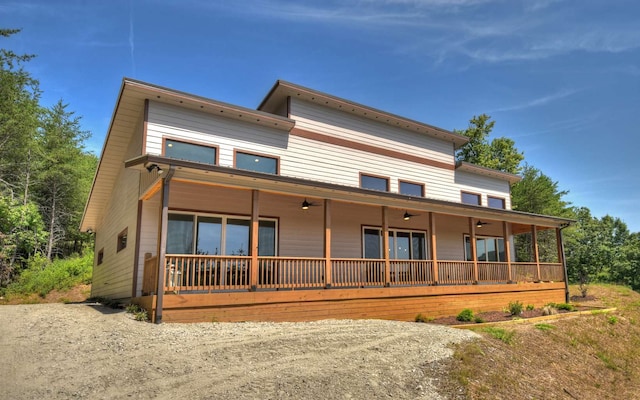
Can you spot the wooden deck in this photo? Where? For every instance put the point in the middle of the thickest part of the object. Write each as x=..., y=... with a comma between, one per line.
x=218, y=288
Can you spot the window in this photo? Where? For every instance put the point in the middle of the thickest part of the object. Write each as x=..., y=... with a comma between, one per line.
x=122, y=240
x=100, y=256
x=403, y=244
x=190, y=151
x=374, y=183
x=218, y=235
x=495, y=202
x=487, y=249
x=471, y=198
x=412, y=189
x=253, y=162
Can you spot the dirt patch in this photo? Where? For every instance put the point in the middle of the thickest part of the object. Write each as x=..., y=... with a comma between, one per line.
x=501, y=316
x=77, y=294
x=60, y=351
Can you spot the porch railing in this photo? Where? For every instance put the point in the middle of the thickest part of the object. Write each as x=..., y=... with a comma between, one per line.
x=357, y=272
x=455, y=272
x=284, y=272
x=197, y=273
x=411, y=272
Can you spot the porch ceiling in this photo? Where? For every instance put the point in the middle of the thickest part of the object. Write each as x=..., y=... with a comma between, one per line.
x=230, y=177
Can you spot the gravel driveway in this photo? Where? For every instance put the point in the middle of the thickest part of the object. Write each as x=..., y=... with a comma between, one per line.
x=57, y=351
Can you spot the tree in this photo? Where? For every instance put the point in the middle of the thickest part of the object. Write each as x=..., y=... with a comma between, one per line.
x=500, y=153
x=19, y=111
x=59, y=195
x=537, y=193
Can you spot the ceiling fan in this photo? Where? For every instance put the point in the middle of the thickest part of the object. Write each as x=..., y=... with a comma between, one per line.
x=306, y=204
x=408, y=216
x=480, y=224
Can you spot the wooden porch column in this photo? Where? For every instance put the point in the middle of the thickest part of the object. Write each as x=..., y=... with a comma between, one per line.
x=253, y=272
x=506, y=235
x=534, y=247
x=563, y=260
x=162, y=243
x=474, y=251
x=327, y=243
x=385, y=245
x=432, y=246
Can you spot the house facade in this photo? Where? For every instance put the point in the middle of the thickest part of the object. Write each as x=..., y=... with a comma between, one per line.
x=309, y=207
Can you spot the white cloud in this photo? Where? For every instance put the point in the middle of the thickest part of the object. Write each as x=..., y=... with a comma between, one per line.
x=540, y=101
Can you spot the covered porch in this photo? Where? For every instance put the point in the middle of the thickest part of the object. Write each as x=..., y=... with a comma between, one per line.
x=442, y=258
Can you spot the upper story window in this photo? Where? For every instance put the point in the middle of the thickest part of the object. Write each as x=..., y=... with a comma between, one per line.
x=495, y=202
x=374, y=182
x=255, y=162
x=471, y=198
x=190, y=151
x=411, y=189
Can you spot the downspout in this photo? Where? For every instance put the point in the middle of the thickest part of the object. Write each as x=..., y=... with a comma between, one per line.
x=564, y=264
x=163, y=243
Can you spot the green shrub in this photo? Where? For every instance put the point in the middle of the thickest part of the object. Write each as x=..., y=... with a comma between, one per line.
x=423, y=318
x=515, y=307
x=562, y=306
x=530, y=307
x=478, y=320
x=42, y=276
x=612, y=320
x=465, y=315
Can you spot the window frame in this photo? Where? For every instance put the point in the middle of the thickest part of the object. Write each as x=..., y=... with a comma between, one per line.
x=463, y=192
x=501, y=199
x=275, y=158
x=191, y=142
x=395, y=231
x=421, y=185
x=385, y=178
x=121, y=242
x=484, y=237
x=223, y=233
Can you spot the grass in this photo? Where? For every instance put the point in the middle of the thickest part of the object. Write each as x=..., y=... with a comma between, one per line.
x=41, y=276
x=594, y=356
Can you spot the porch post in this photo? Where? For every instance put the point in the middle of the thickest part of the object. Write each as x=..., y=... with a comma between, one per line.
x=253, y=266
x=385, y=245
x=432, y=245
x=563, y=260
x=162, y=245
x=506, y=232
x=534, y=244
x=327, y=243
x=474, y=254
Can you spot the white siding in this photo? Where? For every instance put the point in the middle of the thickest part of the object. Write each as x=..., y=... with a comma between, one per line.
x=148, y=234
x=318, y=161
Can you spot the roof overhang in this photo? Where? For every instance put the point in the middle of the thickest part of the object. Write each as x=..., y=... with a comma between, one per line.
x=129, y=112
x=491, y=173
x=226, y=176
x=282, y=89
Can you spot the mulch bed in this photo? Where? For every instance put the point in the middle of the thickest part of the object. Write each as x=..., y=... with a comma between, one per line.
x=500, y=316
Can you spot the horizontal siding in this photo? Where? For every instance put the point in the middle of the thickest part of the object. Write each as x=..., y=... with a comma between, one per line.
x=318, y=161
x=484, y=185
x=352, y=127
x=148, y=234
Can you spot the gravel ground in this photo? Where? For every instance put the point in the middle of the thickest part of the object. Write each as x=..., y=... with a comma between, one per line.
x=57, y=351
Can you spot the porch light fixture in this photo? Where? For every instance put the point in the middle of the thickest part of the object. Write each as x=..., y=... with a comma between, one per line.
x=151, y=167
x=305, y=204
x=408, y=216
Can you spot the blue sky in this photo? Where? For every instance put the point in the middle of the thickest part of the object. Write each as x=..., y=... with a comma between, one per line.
x=560, y=77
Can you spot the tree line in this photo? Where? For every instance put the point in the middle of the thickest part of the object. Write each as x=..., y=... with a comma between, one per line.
x=596, y=249
x=46, y=175
x=45, y=171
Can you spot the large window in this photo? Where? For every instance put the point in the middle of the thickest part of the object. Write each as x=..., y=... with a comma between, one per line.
x=258, y=163
x=403, y=244
x=190, y=151
x=412, y=189
x=374, y=182
x=495, y=202
x=218, y=235
x=471, y=198
x=487, y=249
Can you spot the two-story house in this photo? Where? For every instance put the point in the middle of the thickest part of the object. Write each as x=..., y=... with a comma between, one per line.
x=309, y=207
